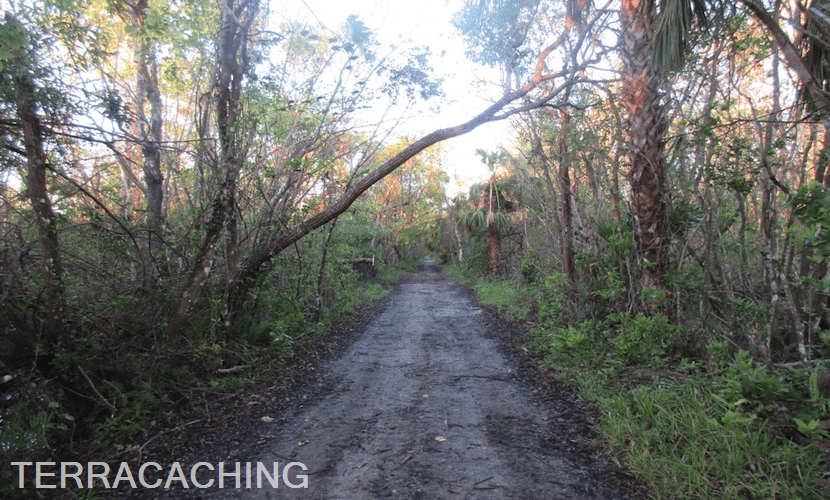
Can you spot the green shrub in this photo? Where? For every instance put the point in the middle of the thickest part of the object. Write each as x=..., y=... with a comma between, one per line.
x=552, y=301
x=746, y=378
x=642, y=339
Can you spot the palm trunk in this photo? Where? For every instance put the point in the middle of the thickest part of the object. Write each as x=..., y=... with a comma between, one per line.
x=495, y=250
x=647, y=126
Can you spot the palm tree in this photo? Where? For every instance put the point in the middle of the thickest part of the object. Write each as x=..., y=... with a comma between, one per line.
x=655, y=39
x=450, y=223
x=649, y=44
x=491, y=204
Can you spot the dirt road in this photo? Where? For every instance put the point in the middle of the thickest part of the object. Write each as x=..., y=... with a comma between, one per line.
x=427, y=403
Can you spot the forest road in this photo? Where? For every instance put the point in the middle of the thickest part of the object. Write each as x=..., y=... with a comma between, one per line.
x=427, y=404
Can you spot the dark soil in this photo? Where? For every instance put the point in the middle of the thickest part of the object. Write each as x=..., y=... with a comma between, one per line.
x=429, y=399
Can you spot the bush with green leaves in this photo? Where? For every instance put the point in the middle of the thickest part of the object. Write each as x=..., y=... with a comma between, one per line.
x=641, y=338
x=551, y=300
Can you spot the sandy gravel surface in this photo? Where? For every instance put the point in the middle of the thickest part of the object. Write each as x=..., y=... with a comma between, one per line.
x=426, y=402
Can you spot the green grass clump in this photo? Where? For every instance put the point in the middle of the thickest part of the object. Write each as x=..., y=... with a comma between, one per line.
x=506, y=296
x=684, y=445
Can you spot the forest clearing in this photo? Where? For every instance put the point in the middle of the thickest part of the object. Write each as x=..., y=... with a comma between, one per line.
x=198, y=197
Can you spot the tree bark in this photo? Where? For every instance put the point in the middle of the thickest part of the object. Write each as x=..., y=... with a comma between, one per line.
x=148, y=129
x=461, y=260
x=232, y=63
x=51, y=321
x=565, y=198
x=495, y=250
x=647, y=125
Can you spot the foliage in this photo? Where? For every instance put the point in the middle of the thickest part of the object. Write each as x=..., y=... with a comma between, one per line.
x=710, y=380
x=669, y=434
x=242, y=141
x=506, y=296
x=736, y=428
x=811, y=205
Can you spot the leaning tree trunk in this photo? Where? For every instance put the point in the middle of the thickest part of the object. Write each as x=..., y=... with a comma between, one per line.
x=647, y=125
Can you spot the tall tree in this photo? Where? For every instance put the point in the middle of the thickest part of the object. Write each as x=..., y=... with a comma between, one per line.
x=149, y=126
x=492, y=205
x=649, y=45
x=18, y=84
x=641, y=80
x=237, y=19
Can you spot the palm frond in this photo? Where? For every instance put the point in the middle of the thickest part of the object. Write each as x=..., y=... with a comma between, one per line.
x=473, y=220
x=476, y=190
x=605, y=227
x=674, y=22
x=500, y=221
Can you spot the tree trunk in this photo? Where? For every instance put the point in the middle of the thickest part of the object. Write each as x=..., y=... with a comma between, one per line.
x=565, y=197
x=232, y=63
x=148, y=129
x=795, y=62
x=495, y=250
x=50, y=322
x=647, y=126
x=318, y=301
x=461, y=260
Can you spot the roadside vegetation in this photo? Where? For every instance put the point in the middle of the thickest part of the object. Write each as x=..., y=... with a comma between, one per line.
x=191, y=194
x=176, y=212
x=662, y=239
x=692, y=420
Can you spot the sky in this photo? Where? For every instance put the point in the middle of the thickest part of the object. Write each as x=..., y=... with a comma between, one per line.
x=422, y=22
x=426, y=22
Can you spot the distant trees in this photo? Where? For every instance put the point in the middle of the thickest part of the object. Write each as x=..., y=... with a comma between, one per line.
x=491, y=203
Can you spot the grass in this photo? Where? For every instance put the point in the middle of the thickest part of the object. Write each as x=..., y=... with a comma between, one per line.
x=729, y=432
x=507, y=296
x=670, y=435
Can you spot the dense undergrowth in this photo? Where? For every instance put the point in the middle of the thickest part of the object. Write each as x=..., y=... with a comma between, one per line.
x=119, y=378
x=693, y=415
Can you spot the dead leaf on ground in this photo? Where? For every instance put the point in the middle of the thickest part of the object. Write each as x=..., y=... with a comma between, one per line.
x=303, y=443
x=267, y=420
